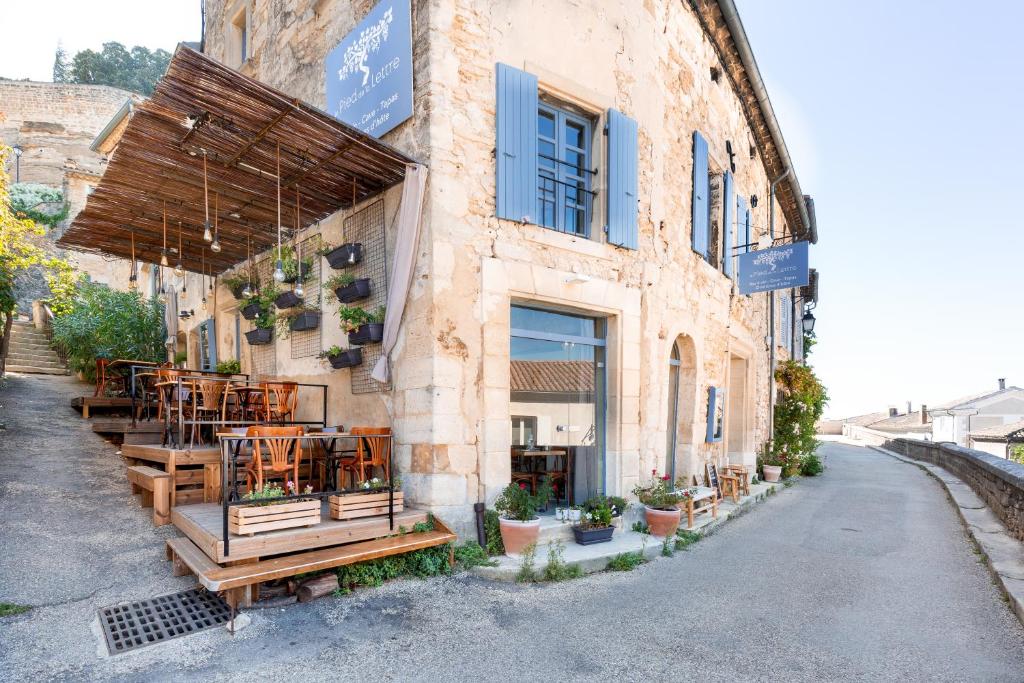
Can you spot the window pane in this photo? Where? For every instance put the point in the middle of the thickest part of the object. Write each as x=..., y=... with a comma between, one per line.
x=574, y=135
x=547, y=153
x=548, y=321
x=546, y=124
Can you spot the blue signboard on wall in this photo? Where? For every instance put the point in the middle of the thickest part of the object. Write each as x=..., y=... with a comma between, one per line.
x=782, y=267
x=369, y=73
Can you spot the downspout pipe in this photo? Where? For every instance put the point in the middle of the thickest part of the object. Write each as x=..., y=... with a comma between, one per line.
x=739, y=37
x=771, y=312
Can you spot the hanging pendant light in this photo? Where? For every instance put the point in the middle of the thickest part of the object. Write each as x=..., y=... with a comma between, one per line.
x=299, y=289
x=247, y=290
x=163, y=252
x=215, y=247
x=133, y=278
x=207, y=235
x=279, y=267
x=178, y=270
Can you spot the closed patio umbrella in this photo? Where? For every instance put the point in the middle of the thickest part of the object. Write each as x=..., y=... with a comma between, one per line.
x=171, y=320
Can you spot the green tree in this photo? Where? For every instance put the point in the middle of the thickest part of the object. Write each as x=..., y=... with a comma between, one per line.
x=61, y=72
x=796, y=414
x=137, y=69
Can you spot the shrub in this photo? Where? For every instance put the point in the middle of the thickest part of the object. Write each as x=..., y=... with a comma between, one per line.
x=811, y=465
x=492, y=533
x=470, y=554
x=103, y=322
x=229, y=367
x=557, y=569
x=802, y=404
x=419, y=564
x=625, y=562
x=518, y=504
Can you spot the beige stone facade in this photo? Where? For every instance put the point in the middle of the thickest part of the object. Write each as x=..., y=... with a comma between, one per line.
x=450, y=404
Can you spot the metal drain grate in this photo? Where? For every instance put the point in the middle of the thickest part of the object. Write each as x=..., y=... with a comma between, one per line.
x=132, y=625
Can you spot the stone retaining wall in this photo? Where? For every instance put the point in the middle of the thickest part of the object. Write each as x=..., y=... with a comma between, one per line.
x=999, y=482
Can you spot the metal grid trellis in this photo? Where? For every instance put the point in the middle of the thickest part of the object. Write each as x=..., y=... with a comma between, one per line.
x=308, y=342
x=367, y=226
x=264, y=356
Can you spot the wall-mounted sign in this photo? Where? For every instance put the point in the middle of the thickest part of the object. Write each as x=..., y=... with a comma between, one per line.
x=782, y=267
x=369, y=73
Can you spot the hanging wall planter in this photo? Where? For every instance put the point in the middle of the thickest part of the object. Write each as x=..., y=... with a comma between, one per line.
x=259, y=336
x=307, y=320
x=359, y=289
x=250, y=311
x=287, y=300
x=237, y=290
x=370, y=333
x=304, y=269
x=346, y=359
x=346, y=255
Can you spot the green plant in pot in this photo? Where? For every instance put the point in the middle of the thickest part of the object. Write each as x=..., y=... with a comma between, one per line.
x=660, y=499
x=595, y=525
x=229, y=367
x=771, y=461
x=519, y=523
x=264, y=328
x=346, y=287
x=305, y=317
x=237, y=282
x=293, y=272
x=342, y=358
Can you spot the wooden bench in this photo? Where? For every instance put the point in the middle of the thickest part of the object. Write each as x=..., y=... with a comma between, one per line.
x=703, y=500
x=155, y=487
x=236, y=580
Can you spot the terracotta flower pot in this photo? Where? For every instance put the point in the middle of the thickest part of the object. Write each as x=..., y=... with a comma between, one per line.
x=518, y=535
x=663, y=523
x=771, y=472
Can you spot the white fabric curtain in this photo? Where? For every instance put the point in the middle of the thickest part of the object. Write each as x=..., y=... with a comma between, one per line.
x=407, y=240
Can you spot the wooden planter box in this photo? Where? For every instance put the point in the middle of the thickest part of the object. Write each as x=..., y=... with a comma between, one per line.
x=287, y=300
x=354, y=505
x=259, y=337
x=246, y=520
x=370, y=333
x=345, y=256
x=307, y=320
x=358, y=290
x=251, y=311
x=346, y=359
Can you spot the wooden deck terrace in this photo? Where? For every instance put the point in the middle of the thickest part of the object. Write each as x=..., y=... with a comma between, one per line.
x=194, y=471
x=89, y=404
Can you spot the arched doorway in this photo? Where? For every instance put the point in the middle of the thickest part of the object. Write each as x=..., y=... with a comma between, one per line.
x=682, y=387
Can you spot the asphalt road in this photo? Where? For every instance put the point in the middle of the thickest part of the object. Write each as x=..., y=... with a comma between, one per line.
x=864, y=573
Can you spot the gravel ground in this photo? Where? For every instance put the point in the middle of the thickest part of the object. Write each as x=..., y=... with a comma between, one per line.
x=864, y=573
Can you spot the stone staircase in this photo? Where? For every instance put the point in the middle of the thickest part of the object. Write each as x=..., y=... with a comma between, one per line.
x=30, y=352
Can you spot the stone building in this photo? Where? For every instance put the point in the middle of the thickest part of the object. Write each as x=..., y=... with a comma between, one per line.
x=594, y=168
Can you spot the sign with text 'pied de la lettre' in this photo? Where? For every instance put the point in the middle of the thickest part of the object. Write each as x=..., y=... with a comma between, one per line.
x=369, y=73
x=765, y=270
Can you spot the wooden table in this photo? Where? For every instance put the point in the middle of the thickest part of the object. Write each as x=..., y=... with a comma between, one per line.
x=743, y=474
x=558, y=452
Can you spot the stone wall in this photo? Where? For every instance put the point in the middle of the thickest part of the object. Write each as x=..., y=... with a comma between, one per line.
x=652, y=61
x=997, y=481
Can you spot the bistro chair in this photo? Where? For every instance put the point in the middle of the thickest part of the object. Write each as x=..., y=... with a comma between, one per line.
x=283, y=456
x=372, y=450
x=207, y=405
x=326, y=458
x=279, y=400
x=242, y=452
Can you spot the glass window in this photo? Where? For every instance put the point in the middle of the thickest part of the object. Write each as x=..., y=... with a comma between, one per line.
x=564, y=198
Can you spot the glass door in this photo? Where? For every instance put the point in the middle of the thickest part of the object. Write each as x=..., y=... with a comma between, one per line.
x=557, y=411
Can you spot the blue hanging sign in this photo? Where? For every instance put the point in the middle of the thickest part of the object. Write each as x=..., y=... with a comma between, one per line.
x=369, y=73
x=782, y=267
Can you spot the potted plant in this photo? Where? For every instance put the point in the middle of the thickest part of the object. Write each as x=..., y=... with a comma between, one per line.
x=264, y=332
x=287, y=299
x=268, y=510
x=343, y=358
x=771, y=462
x=181, y=358
x=347, y=288
x=293, y=270
x=306, y=318
x=594, y=526
x=371, y=500
x=237, y=282
x=229, y=367
x=661, y=504
x=252, y=307
x=519, y=523
x=343, y=256
x=370, y=330
x=616, y=504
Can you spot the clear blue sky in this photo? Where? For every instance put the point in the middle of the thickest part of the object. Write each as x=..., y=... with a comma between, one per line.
x=904, y=122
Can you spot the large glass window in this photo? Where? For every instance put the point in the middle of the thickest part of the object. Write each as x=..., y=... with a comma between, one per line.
x=557, y=409
x=564, y=199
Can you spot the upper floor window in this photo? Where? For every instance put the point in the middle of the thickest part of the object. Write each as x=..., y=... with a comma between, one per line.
x=564, y=198
x=237, y=43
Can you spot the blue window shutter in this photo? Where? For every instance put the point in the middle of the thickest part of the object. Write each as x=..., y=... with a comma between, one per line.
x=622, y=180
x=211, y=343
x=701, y=194
x=516, y=151
x=742, y=224
x=728, y=223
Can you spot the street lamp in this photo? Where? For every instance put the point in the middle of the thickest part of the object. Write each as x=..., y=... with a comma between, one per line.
x=808, y=322
x=18, y=151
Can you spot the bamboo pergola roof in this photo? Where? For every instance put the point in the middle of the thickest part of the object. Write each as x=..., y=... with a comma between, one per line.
x=201, y=106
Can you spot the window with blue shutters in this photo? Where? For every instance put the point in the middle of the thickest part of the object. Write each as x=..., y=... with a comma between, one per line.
x=728, y=223
x=700, y=222
x=564, y=198
x=623, y=159
x=516, y=148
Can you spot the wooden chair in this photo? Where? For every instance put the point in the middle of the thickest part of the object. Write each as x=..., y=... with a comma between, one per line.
x=283, y=455
x=279, y=400
x=320, y=457
x=106, y=379
x=372, y=450
x=207, y=402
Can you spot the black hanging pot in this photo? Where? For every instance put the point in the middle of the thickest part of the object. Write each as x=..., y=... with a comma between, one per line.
x=592, y=536
x=287, y=300
x=307, y=320
x=370, y=333
x=260, y=336
x=304, y=269
x=346, y=359
x=237, y=290
x=360, y=289
x=345, y=256
x=250, y=311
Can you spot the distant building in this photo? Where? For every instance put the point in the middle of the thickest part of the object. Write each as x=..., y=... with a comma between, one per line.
x=956, y=420
x=998, y=440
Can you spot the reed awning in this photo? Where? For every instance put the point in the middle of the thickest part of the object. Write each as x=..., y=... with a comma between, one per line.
x=202, y=107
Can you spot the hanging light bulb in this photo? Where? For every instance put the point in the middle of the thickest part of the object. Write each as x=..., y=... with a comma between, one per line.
x=215, y=247
x=279, y=266
x=132, y=277
x=247, y=291
x=163, y=251
x=207, y=235
x=299, y=291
